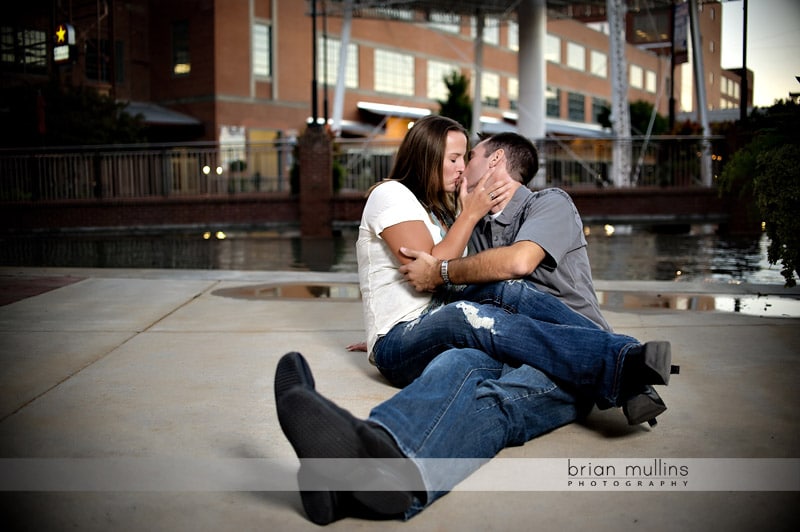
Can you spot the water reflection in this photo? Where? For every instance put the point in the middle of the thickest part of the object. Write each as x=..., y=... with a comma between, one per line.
x=635, y=253
x=752, y=305
x=630, y=253
x=330, y=291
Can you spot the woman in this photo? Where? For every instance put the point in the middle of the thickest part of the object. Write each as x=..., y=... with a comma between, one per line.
x=416, y=207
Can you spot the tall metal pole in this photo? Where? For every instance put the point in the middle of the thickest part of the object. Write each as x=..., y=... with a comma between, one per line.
x=743, y=101
x=314, y=95
x=338, y=95
x=672, y=70
x=620, y=109
x=700, y=88
x=477, y=83
x=325, y=59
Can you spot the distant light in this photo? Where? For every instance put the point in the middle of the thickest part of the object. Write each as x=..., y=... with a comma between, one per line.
x=206, y=169
x=221, y=236
x=609, y=229
x=219, y=170
x=763, y=226
x=206, y=235
x=587, y=230
x=678, y=273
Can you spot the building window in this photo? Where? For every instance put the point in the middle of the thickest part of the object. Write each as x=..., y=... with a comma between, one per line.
x=98, y=58
x=449, y=22
x=598, y=104
x=710, y=78
x=490, y=89
x=602, y=27
x=491, y=30
x=328, y=73
x=636, y=77
x=513, y=94
x=552, y=49
x=437, y=72
x=389, y=13
x=576, y=106
x=394, y=72
x=650, y=81
x=181, y=60
x=513, y=35
x=598, y=64
x=553, y=102
x=23, y=50
x=576, y=56
x=262, y=50
x=711, y=46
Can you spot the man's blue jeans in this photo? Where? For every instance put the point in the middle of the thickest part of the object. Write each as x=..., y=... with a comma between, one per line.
x=464, y=409
x=581, y=356
x=520, y=296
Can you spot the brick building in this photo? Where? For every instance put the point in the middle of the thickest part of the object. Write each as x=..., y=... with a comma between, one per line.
x=241, y=70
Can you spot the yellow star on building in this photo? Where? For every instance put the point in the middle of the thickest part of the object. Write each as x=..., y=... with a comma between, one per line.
x=60, y=32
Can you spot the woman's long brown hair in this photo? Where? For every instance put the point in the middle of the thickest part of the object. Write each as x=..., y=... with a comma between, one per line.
x=419, y=163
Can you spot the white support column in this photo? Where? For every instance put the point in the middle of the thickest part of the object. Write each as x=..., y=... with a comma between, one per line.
x=532, y=19
x=344, y=43
x=700, y=88
x=477, y=104
x=620, y=111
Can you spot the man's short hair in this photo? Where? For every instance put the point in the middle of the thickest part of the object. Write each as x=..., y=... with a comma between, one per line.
x=522, y=159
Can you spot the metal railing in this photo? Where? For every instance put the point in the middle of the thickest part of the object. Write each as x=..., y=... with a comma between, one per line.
x=138, y=171
x=207, y=169
x=664, y=161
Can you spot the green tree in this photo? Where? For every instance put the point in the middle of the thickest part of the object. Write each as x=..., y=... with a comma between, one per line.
x=641, y=113
x=767, y=168
x=458, y=104
x=51, y=116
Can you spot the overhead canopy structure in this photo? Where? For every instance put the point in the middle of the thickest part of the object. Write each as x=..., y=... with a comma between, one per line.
x=580, y=9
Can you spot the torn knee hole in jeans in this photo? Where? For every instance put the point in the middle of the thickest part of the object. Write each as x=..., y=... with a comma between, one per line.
x=472, y=314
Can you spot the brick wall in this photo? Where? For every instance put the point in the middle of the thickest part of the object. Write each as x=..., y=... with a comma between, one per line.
x=688, y=205
x=151, y=212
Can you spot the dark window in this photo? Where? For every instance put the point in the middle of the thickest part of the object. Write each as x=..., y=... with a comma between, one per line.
x=597, y=107
x=554, y=102
x=576, y=106
x=181, y=60
x=98, y=60
x=23, y=50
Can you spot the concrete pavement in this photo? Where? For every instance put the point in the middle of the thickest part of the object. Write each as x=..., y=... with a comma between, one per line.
x=173, y=369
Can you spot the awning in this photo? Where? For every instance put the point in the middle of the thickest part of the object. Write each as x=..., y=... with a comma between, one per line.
x=360, y=129
x=402, y=111
x=558, y=126
x=157, y=115
x=493, y=126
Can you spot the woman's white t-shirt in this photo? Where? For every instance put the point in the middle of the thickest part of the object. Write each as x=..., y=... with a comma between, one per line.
x=387, y=298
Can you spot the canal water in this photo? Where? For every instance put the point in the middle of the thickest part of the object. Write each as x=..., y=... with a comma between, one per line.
x=616, y=253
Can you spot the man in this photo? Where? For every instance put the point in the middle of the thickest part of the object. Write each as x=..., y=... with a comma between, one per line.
x=465, y=405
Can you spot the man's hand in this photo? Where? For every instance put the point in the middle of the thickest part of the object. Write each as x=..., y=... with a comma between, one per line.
x=422, y=272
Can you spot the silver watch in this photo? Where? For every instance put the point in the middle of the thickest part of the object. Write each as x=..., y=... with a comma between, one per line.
x=443, y=272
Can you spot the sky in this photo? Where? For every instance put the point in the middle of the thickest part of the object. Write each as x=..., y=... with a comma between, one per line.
x=773, y=45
